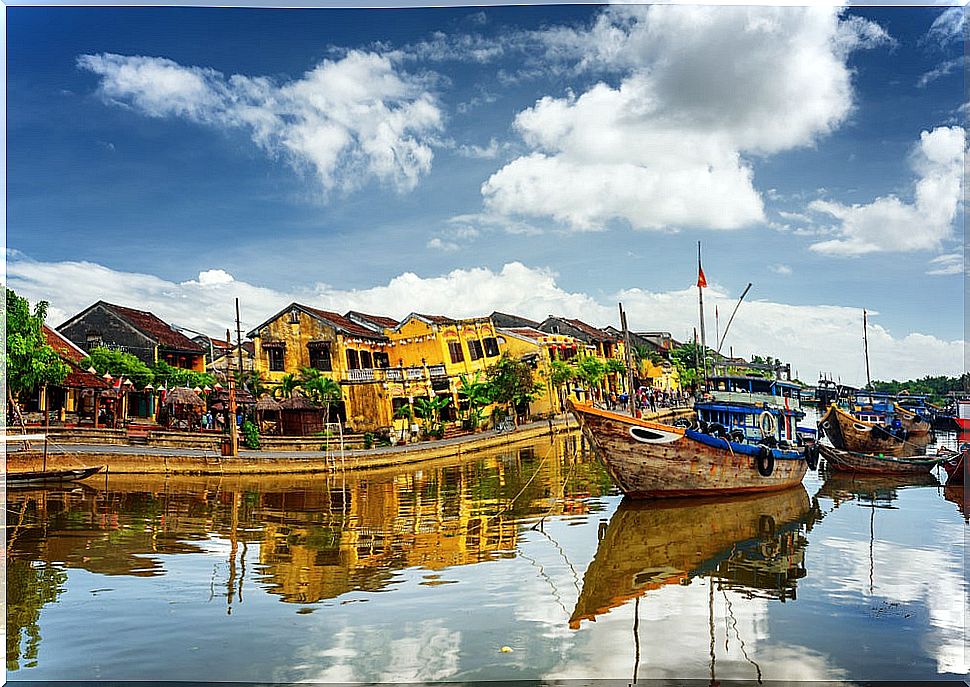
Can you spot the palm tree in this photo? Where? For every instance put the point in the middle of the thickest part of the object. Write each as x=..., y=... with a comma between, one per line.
x=320, y=389
x=253, y=380
x=288, y=384
x=478, y=394
x=429, y=410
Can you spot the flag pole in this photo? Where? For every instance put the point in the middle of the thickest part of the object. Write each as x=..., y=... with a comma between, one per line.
x=701, y=283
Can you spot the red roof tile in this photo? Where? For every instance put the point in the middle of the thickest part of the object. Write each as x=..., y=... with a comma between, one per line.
x=342, y=323
x=156, y=328
x=590, y=330
x=66, y=349
x=387, y=322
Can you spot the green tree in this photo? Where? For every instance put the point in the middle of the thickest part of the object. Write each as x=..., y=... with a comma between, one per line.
x=177, y=376
x=512, y=383
x=30, y=362
x=288, y=384
x=560, y=374
x=429, y=410
x=253, y=381
x=320, y=389
x=591, y=371
x=119, y=364
x=477, y=393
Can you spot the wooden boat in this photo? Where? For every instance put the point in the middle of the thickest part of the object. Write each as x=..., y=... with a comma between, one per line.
x=956, y=467
x=851, y=461
x=749, y=542
x=34, y=477
x=849, y=433
x=649, y=459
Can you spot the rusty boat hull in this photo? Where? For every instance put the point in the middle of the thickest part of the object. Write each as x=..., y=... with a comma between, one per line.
x=652, y=460
x=851, y=461
x=848, y=433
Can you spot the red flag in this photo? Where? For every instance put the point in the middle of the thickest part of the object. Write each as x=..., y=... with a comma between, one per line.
x=701, y=279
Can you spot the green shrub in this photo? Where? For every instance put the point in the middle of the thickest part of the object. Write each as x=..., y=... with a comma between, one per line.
x=250, y=435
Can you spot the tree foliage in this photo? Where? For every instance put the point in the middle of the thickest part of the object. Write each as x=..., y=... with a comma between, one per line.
x=317, y=387
x=30, y=362
x=512, y=382
x=934, y=387
x=176, y=376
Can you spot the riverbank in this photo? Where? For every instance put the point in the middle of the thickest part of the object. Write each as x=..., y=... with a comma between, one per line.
x=174, y=460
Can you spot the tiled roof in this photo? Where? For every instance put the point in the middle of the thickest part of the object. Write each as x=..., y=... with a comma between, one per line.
x=437, y=319
x=77, y=378
x=66, y=349
x=527, y=332
x=590, y=330
x=379, y=320
x=342, y=323
x=155, y=328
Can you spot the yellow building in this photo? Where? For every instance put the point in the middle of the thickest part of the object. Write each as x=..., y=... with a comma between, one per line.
x=531, y=345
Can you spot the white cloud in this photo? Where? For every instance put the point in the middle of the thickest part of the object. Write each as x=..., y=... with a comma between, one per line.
x=489, y=152
x=702, y=88
x=348, y=121
x=890, y=224
x=941, y=70
x=948, y=27
x=790, y=332
x=949, y=263
x=782, y=269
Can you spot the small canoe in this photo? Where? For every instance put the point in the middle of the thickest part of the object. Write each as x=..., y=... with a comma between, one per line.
x=651, y=460
x=30, y=478
x=852, y=461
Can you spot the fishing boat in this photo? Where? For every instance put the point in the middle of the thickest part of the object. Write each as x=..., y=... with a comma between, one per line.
x=752, y=543
x=962, y=417
x=841, y=460
x=956, y=466
x=849, y=433
x=752, y=409
x=35, y=477
x=650, y=460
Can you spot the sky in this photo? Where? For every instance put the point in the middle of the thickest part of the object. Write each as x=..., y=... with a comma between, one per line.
x=533, y=159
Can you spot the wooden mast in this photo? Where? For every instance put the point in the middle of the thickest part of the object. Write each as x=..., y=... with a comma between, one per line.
x=865, y=347
x=629, y=366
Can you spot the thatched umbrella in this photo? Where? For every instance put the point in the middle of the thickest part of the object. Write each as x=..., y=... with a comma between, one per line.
x=186, y=406
x=268, y=405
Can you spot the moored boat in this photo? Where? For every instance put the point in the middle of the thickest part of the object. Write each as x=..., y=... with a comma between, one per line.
x=34, y=477
x=849, y=433
x=649, y=459
x=957, y=467
x=852, y=461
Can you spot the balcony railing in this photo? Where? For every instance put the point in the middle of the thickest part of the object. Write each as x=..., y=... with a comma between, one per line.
x=414, y=373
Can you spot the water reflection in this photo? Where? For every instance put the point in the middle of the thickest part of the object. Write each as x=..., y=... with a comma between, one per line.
x=751, y=544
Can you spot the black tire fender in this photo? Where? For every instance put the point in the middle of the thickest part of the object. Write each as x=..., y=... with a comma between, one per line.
x=765, y=462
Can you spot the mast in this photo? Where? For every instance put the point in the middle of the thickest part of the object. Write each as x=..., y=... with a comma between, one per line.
x=865, y=346
x=239, y=339
x=701, y=283
x=629, y=363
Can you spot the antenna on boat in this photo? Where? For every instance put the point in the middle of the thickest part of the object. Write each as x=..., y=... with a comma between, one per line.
x=731, y=319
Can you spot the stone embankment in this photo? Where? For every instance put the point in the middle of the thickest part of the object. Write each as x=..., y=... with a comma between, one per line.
x=173, y=453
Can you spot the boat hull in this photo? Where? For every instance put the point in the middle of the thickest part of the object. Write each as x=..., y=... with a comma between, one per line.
x=16, y=479
x=956, y=469
x=850, y=461
x=851, y=434
x=652, y=460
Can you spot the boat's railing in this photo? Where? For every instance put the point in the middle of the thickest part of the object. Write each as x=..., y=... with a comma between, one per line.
x=755, y=399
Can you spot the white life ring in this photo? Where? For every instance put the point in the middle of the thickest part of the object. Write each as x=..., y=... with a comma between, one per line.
x=767, y=425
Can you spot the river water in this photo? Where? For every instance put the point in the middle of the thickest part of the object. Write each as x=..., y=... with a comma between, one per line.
x=520, y=564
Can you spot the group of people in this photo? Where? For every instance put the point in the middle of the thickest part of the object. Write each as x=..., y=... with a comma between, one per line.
x=649, y=399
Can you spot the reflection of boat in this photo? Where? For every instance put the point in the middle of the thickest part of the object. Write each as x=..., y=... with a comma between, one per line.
x=649, y=459
x=752, y=543
x=34, y=477
x=851, y=461
x=844, y=486
x=849, y=433
x=959, y=495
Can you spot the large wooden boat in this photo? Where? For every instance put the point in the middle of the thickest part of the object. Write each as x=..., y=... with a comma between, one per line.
x=849, y=433
x=649, y=459
x=851, y=461
x=35, y=477
x=748, y=542
x=956, y=467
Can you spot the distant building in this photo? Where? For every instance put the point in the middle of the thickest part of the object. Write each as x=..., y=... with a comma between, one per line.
x=137, y=332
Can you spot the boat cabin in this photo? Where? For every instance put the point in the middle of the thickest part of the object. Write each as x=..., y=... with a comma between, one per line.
x=753, y=408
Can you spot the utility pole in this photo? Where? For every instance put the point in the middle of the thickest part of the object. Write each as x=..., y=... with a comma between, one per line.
x=239, y=339
x=231, y=419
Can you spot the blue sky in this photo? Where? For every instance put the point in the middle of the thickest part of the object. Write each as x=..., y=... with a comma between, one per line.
x=324, y=155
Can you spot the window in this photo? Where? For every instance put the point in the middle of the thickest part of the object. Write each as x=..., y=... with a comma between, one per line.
x=294, y=316
x=381, y=360
x=491, y=347
x=320, y=356
x=353, y=360
x=275, y=358
x=475, y=349
x=366, y=360
x=457, y=355
x=94, y=340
